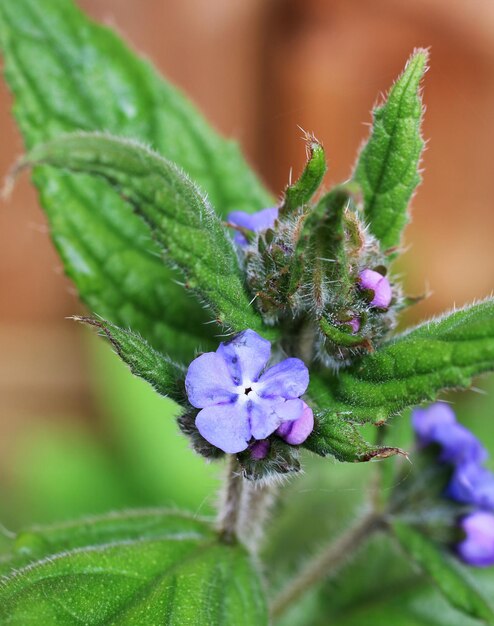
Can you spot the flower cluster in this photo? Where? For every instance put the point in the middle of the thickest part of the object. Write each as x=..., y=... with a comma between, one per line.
x=242, y=403
x=471, y=484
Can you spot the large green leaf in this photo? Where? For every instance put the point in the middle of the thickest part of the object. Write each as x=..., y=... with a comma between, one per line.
x=69, y=74
x=415, y=367
x=38, y=542
x=179, y=216
x=141, y=569
x=455, y=585
x=387, y=167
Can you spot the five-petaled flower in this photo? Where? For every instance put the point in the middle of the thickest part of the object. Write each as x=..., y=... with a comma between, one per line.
x=241, y=400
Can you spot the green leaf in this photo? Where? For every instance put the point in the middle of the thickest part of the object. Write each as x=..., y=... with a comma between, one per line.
x=379, y=587
x=178, y=215
x=38, y=542
x=445, y=573
x=157, y=574
x=68, y=74
x=298, y=194
x=444, y=353
x=387, y=167
x=334, y=435
x=165, y=376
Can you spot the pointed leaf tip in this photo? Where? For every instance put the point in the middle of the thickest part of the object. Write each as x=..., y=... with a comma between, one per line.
x=387, y=167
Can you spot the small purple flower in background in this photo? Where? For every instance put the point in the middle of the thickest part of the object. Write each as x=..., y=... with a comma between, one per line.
x=240, y=400
x=379, y=284
x=471, y=484
x=477, y=548
x=437, y=424
x=257, y=222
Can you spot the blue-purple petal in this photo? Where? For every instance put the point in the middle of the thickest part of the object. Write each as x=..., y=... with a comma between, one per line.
x=208, y=381
x=257, y=222
x=288, y=379
x=246, y=355
x=266, y=414
x=226, y=426
x=477, y=548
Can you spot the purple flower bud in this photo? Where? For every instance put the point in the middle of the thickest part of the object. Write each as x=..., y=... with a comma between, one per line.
x=259, y=449
x=297, y=431
x=437, y=424
x=477, y=548
x=472, y=484
x=257, y=222
x=354, y=324
x=239, y=400
x=379, y=284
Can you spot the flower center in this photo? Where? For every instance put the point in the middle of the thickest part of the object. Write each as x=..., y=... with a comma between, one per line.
x=247, y=390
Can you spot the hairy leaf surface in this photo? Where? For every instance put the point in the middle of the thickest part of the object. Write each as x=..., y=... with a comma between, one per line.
x=387, y=168
x=181, y=219
x=69, y=74
x=141, y=571
x=444, y=353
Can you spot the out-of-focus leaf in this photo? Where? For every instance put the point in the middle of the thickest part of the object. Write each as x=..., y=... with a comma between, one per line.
x=453, y=583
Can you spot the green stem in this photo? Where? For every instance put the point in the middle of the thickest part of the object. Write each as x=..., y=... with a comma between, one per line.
x=230, y=502
x=257, y=502
x=327, y=562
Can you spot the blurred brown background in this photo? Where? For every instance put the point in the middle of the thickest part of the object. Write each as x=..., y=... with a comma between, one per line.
x=259, y=69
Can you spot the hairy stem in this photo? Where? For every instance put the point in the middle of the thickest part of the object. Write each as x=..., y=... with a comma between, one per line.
x=257, y=502
x=230, y=501
x=326, y=562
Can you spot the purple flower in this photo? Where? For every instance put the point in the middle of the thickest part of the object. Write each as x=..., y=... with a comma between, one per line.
x=239, y=400
x=297, y=431
x=477, y=548
x=257, y=222
x=472, y=484
x=379, y=284
x=437, y=424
